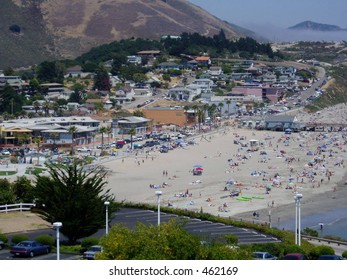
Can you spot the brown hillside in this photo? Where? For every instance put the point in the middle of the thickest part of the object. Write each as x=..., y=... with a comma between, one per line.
x=78, y=25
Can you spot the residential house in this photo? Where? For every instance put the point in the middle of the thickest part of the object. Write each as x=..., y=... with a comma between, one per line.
x=181, y=93
x=74, y=71
x=165, y=66
x=203, y=61
x=215, y=71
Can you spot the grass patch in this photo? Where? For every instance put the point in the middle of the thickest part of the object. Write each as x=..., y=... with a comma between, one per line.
x=7, y=173
x=34, y=170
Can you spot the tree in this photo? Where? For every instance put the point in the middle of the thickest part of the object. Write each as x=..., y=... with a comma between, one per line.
x=102, y=130
x=74, y=197
x=6, y=194
x=72, y=130
x=23, y=189
x=228, y=102
x=167, y=242
x=102, y=80
x=131, y=132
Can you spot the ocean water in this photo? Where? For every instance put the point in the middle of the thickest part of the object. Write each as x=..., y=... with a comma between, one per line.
x=334, y=223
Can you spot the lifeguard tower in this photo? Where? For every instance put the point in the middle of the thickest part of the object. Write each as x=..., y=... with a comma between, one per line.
x=254, y=144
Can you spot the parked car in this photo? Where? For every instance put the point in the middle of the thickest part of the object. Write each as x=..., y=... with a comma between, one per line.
x=30, y=248
x=330, y=257
x=263, y=256
x=83, y=149
x=92, y=251
x=294, y=256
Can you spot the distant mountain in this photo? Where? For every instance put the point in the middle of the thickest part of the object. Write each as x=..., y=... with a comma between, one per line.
x=35, y=30
x=314, y=26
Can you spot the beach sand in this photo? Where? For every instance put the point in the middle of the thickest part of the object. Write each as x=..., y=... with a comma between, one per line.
x=137, y=177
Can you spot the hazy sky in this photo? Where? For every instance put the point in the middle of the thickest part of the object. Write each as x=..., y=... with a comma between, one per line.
x=279, y=13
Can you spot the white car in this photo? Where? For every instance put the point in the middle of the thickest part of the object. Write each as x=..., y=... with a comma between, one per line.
x=83, y=149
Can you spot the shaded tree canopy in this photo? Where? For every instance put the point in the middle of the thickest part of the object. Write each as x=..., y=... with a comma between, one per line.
x=74, y=197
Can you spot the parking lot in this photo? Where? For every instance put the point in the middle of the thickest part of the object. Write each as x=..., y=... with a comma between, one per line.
x=205, y=229
x=129, y=217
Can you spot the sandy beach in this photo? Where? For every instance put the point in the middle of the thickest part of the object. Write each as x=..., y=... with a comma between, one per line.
x=311, y=163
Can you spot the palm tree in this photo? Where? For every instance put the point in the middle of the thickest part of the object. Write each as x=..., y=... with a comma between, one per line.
x=195, y=108
x=72, y=130
x=131, y=132
x=102, y=130
x=108, y=132
x=220, y=106
x=228, y=102
x=46, y=107
x=54, y=136
x=186, y=108
x=36, y=105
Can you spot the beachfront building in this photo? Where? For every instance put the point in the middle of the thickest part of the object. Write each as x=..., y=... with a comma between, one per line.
x=281, y=122
x=51, y=130
x=124, y=125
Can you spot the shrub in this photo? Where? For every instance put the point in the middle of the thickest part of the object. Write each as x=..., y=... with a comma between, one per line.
x=19, y=238
x=89, y=241
x=320, y=250
x=45, y=239
x=3, y=238
x=344, y=254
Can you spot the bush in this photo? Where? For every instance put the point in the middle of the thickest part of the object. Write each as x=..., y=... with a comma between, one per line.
x=45, y=239
x=19, y=238
x=3, y=238
x=320, y=250
x=89, y=241
x=344, y=254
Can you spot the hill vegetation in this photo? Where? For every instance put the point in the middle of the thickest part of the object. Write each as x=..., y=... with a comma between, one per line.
x=32, y=31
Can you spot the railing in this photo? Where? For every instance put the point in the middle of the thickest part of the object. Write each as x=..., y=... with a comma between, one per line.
x=16, y=207
x=324, y=240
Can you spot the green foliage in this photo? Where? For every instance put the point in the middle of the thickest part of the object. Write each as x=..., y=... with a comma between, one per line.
x=320, y=250
x=310, y=232
x=19, y=238
x=6, y=194
x=74, y=197
x=89, y=241
x=45, y=239
x=50, y=72
x=3, y=238
x=344, y=254
x=23, y=189
x=167, y=242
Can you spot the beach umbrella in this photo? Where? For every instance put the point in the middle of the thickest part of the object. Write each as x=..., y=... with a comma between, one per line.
x=198, y=169
x=197, y=165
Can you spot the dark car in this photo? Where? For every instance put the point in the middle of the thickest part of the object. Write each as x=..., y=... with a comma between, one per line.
x=330, y=257
x=294, y=256
x=30, y=249
x=2, y=245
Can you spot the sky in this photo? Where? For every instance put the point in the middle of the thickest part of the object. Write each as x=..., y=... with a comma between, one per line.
x=270, y=17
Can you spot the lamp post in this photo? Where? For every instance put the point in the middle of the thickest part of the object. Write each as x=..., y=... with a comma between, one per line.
x=158, y=194
x=57, y=226
x=106, y=203
x=297, y=198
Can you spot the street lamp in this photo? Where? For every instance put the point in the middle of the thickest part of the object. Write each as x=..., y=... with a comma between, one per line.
x=158, y=194
x=297, y=198
x=57, y=226
x=106, y=203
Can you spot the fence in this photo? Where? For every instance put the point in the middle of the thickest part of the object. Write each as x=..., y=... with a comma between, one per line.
x=16, y=207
